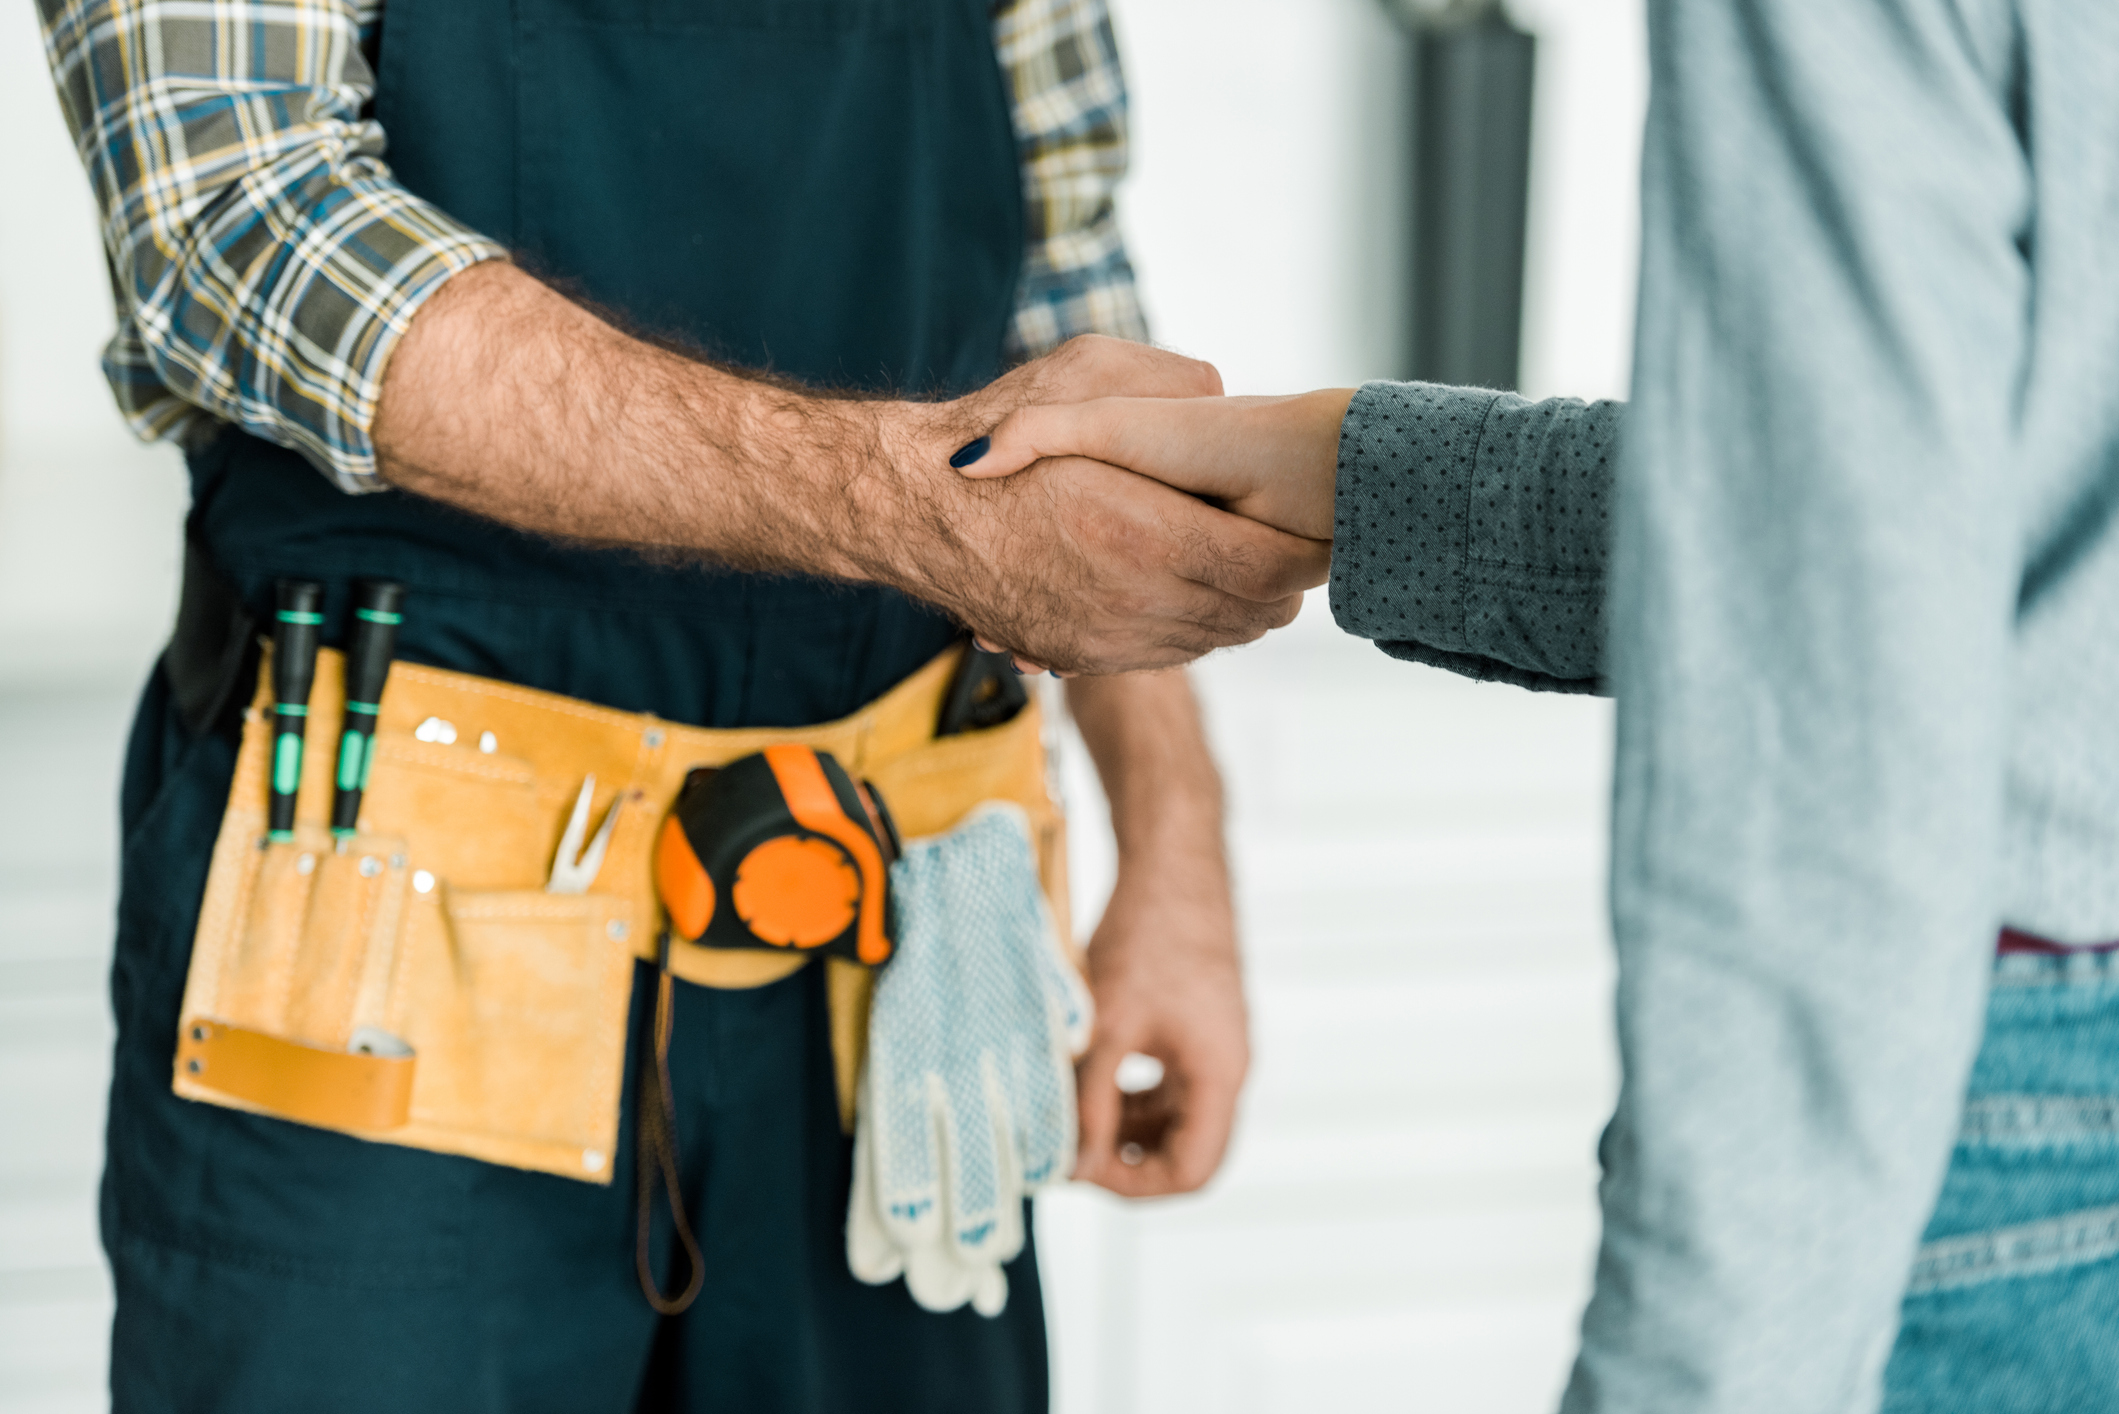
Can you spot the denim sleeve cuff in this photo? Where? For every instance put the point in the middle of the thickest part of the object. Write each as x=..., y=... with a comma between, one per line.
x=326, y=307
x=1402, y=512
x=1471, y=531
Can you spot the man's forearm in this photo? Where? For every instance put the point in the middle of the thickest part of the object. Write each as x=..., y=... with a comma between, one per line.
x=1144, y=733
x=510, y=400
x=1163, y=963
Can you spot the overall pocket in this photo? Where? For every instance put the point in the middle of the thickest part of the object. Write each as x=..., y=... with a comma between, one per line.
x=516, y=1003
x=284, y=1010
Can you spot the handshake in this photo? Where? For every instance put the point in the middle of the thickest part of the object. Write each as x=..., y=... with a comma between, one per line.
x=1105, y=509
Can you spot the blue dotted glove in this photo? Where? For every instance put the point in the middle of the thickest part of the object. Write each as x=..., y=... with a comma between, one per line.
x=966, y=1104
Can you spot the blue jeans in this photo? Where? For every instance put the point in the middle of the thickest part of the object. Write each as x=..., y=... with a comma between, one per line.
x=2013, y=1307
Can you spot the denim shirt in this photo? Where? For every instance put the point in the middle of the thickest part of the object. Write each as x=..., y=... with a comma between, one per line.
x=1861, y=601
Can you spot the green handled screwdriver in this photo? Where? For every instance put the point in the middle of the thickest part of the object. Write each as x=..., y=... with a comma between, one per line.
x=375, y=619
x=294, y=636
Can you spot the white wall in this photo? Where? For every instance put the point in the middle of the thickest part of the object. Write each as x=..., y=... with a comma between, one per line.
x=89, y=519
x=1265, y=208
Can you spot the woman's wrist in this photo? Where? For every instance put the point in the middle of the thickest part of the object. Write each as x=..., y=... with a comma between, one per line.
x=1304, y=436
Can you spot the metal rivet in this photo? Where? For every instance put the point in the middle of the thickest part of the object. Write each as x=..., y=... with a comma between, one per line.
x=488, y=743
x=306, y=864
x=195, y=1065
x=653, y=738
x=397, y=861
x=422, y=882
x=370, y=866
x=592, y=1160
x=617, y=930
x=435, y=729
x=198, y=1033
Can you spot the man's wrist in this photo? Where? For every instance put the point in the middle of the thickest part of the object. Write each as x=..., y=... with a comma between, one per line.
x=907, y=514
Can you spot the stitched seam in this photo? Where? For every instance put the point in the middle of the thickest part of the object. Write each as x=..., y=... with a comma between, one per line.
x=311, y=1270
x=2038, y=1121
x=1471, y=483
x=2028, y=1249
x=1528, y=567
x=401, y=756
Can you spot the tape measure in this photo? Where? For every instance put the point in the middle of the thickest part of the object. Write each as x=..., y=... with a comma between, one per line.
x=780, y=851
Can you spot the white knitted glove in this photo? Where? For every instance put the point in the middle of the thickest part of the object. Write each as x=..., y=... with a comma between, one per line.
x=966, y=1103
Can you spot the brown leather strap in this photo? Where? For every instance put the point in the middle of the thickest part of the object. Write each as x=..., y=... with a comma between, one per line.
x=655, y=1119
x=335, y=1089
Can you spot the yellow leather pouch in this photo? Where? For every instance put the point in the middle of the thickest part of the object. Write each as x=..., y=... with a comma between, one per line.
x=415, y=984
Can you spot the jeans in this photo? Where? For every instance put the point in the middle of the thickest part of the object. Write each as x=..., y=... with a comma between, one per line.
x=2013, y=1306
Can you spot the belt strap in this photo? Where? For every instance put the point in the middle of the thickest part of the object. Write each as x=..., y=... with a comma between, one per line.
x=2015, y=941
x=210, y=647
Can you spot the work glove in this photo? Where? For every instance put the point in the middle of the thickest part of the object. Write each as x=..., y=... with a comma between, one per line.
x=966, y=1103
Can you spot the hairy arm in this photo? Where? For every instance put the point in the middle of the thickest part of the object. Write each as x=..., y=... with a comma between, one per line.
x=509, y=400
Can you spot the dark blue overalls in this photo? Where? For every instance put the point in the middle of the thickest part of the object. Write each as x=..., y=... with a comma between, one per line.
x=826, y=187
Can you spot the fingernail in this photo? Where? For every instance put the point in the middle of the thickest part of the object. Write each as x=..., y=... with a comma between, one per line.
x=971, y=452
x=1013, y=668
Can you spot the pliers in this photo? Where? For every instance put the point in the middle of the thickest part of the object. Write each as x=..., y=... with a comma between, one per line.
x=573, y=868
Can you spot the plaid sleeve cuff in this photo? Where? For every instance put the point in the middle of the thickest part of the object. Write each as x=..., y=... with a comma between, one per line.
x=282, y=317
x=263, y=260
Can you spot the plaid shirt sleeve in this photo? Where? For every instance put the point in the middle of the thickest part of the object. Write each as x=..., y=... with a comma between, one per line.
x=262, y=259
x=1070, y=123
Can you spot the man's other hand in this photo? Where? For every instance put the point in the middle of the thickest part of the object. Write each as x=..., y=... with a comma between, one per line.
x=1163, y=963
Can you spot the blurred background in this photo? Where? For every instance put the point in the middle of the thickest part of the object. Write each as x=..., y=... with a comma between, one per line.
x=1407, y=1219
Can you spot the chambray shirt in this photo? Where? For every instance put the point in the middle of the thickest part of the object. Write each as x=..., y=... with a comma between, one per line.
x=265, y=262
x=1862, y=589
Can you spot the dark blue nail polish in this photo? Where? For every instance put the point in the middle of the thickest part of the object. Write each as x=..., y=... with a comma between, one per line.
x=971, y=452
x=1013, y=668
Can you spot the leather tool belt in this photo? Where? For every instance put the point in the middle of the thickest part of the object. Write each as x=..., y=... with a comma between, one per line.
x=417, y=985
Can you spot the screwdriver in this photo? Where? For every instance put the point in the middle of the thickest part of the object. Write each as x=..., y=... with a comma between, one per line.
x=375, y=619
x=294, y=635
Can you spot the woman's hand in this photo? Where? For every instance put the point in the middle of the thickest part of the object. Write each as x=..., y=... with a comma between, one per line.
x=1274, y=460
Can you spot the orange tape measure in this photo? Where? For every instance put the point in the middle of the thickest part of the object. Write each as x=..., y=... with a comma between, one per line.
x=779, y=851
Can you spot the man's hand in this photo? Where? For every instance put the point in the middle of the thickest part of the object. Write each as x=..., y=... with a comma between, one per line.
x=1272, y=459
x=1163, y=963
x=508, y=400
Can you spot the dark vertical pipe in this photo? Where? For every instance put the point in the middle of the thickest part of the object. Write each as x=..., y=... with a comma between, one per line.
x=1470, y=195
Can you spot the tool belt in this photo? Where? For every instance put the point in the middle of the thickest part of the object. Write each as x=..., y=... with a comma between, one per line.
x=415, y=984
